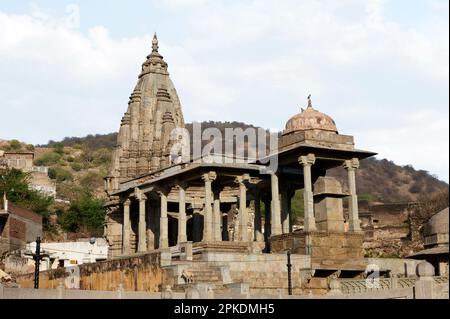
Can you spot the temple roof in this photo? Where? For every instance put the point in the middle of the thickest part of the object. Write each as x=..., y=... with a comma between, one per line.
x=310, y=119
x=155, y=62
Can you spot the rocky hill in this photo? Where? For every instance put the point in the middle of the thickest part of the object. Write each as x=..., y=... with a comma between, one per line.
x=82, y=162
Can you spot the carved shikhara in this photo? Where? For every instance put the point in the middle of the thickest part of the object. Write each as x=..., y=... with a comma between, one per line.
x=154, y=110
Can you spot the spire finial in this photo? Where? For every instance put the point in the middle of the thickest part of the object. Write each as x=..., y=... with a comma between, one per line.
x=155, y=43
x=309, y=101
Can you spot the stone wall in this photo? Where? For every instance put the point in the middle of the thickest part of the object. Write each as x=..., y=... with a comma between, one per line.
x=61, y=293
x=397, y=266
x=139, y=273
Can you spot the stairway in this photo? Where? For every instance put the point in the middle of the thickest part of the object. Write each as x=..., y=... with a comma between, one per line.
x=202, y=273
x=206, y=275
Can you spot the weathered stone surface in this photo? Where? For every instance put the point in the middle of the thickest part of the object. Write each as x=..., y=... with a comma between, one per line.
x=154, y=110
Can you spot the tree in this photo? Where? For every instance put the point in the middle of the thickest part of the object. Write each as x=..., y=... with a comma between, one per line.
x=15, y=145
x=16, y=185
x=84, y=214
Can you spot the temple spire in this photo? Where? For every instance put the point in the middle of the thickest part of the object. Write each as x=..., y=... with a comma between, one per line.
x=155, y=46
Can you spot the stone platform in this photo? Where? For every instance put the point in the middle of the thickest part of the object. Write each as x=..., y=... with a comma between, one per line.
x=328, y=250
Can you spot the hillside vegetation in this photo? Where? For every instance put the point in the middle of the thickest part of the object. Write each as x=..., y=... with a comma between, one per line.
x=84, y=162
x=78, y=165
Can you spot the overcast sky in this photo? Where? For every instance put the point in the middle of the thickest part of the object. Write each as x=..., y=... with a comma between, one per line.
x=379, y=68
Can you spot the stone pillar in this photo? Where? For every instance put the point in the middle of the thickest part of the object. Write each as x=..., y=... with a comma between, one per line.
x=126, y=249
x=217, y=216
x=182, y=236
x=257, y=222
x=197, y=206
x=309, y=220
x=208, y=178
x=151, y=217
x=142, y=244
x=267, y=223
x=291, y=194
x=275, y=206
x=243, y=211
x=285, y=211
x=163, y=222
x=354, y=222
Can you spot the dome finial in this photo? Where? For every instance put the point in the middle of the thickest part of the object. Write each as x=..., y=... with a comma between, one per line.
x=155, y=43
x=309, y=101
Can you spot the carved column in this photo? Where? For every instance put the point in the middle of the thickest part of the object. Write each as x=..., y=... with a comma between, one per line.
x=217, y=216
x=163, y=221
x=257, y=222
x=197, y=206
x=285, y=212
x=275, y=206
x=126, y=249
x=208, y=178
x=243, y=211
x=351, y=166
x=267, y=222
x=142, y=244
x=182, y=237
x=309, y=220
x=151, y=218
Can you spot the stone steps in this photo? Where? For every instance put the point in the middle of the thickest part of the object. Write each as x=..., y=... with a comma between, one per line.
x=206, y=275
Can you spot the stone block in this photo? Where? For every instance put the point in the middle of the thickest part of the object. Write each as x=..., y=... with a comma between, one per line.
x=318, y=283
x=239, y=288
x=425, y=269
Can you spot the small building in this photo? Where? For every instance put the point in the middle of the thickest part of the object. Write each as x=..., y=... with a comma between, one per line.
x=66, y=254
x=23, y=161
x=18, y=226
x=19, y=160
x=436, y=243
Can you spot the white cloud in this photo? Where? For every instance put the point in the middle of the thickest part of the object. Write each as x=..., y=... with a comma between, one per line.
x=58, y=79
x=253, y=61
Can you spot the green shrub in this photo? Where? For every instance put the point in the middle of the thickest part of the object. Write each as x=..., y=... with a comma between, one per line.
x=91, y=180
x=76, y=166
x=48, y=159
x=102, y=156
x=58, y=148
x=60, y=174
x=15, y=145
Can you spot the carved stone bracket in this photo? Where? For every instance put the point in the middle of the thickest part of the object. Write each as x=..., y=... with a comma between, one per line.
x=309, y=159
x=351, y=164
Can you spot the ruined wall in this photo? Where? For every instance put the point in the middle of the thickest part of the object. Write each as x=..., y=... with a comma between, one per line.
x=140, y=273
x=391, y=230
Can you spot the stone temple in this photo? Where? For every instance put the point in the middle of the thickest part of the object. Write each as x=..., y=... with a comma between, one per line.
x=213, y=212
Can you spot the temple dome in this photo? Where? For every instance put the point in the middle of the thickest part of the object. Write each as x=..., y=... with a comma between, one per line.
x=310, y=119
